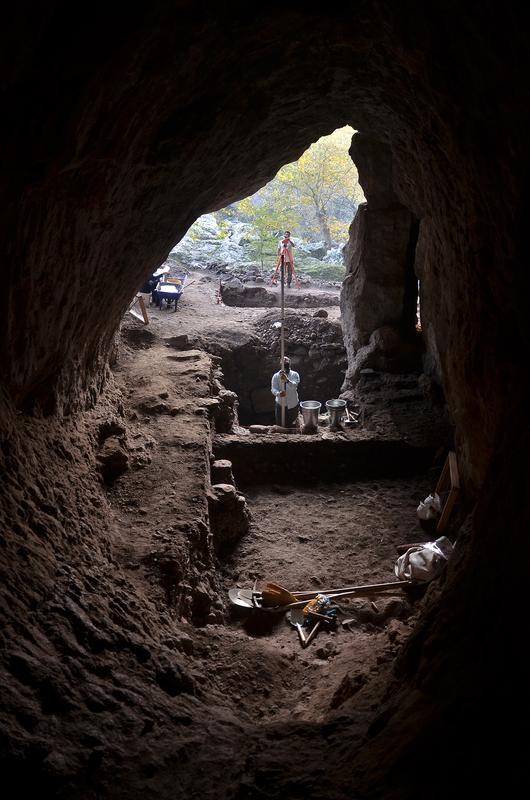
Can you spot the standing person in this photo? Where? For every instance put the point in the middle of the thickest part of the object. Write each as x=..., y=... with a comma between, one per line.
x=285, y=246
x=289, y=379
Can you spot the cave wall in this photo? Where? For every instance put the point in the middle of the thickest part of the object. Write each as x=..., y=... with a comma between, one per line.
x=101, y=194
x=120, y=129
x=378, y=316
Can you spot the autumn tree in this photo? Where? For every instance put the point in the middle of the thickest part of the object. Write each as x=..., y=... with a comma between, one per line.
x=268, y=212
x=325, y=181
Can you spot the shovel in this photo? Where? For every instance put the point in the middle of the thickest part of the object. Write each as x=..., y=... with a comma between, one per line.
x=296, y=618
x=274, y=594
x=278, y=601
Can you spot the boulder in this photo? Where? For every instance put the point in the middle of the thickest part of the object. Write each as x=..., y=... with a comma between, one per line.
x=229, y=516
x=222, y=472
x=113, y=459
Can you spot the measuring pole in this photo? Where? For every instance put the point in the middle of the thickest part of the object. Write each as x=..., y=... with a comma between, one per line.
x=282, y=338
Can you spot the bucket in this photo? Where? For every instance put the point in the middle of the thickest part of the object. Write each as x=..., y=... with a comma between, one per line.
x=336, y=412
x=310, y=409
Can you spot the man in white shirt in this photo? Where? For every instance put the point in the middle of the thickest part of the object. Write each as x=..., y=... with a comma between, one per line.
x=285, y=384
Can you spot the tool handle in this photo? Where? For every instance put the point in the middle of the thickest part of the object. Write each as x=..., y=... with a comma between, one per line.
x=301, y=634
x=322, y=617
x=312, y=635
x=373, y=587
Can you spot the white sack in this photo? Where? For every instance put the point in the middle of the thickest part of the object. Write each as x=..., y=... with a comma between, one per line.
x=430, y=507
x=422, y=563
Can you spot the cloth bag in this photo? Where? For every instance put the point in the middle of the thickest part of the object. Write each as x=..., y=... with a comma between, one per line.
x=430, y=507
x=422, y=563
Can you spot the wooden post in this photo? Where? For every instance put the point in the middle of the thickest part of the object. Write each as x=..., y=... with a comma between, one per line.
x=140, y=301
x=282, y=336
x=449, y=481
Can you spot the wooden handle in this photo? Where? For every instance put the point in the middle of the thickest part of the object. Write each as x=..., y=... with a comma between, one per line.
x=301, y=634
x=312, y=635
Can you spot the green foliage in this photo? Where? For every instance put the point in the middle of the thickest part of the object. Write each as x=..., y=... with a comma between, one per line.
x=315, y=198
x=325, y=181
x=266, y=214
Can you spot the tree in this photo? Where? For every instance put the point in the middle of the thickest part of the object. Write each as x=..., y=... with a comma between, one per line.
x=268, y=212
x=325, y=179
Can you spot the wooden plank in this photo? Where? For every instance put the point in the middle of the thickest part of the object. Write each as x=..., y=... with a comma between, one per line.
x=143, y=311
x=441, y=486
x=449, y=482
x=446, y=511
x=453, y=470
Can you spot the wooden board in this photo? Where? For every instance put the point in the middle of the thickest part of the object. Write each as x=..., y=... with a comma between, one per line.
x=142, y=314
x=449, y=482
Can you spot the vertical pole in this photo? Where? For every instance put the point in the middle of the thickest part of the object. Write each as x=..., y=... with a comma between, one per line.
x=282, y=336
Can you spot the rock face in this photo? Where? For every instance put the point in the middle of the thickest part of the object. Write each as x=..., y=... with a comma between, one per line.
x=378, y=299
x=119, y=133
x=229, y=516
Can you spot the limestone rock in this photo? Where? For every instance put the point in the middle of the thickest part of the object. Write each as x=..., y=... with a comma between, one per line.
x=222, y=471
x=113, y=459
x=229, y=516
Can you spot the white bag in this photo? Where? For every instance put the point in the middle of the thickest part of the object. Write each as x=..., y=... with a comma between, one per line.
x=422, y=563
x=430, y=507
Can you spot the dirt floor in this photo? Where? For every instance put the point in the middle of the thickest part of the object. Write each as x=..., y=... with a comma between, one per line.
x=200, y=315
x=325, y=536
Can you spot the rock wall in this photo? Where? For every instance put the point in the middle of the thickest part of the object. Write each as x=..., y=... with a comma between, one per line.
x=378, y=316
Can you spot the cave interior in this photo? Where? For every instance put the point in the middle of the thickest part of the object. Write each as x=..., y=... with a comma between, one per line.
x=120, y=130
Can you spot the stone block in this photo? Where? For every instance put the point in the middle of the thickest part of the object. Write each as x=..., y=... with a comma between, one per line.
x=222, y=472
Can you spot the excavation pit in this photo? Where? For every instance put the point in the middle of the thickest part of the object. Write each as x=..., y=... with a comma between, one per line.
x=330, y=457
x=329, y=534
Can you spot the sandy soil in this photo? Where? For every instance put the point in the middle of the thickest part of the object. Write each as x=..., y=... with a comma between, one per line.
x=323, y=537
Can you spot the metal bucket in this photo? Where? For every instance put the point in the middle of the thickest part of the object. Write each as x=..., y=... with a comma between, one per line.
x=336, y=410
x=310, y=409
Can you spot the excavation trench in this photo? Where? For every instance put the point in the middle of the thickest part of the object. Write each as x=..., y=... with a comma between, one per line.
x=168, y=658
x=249, y=359
x=326, y=510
